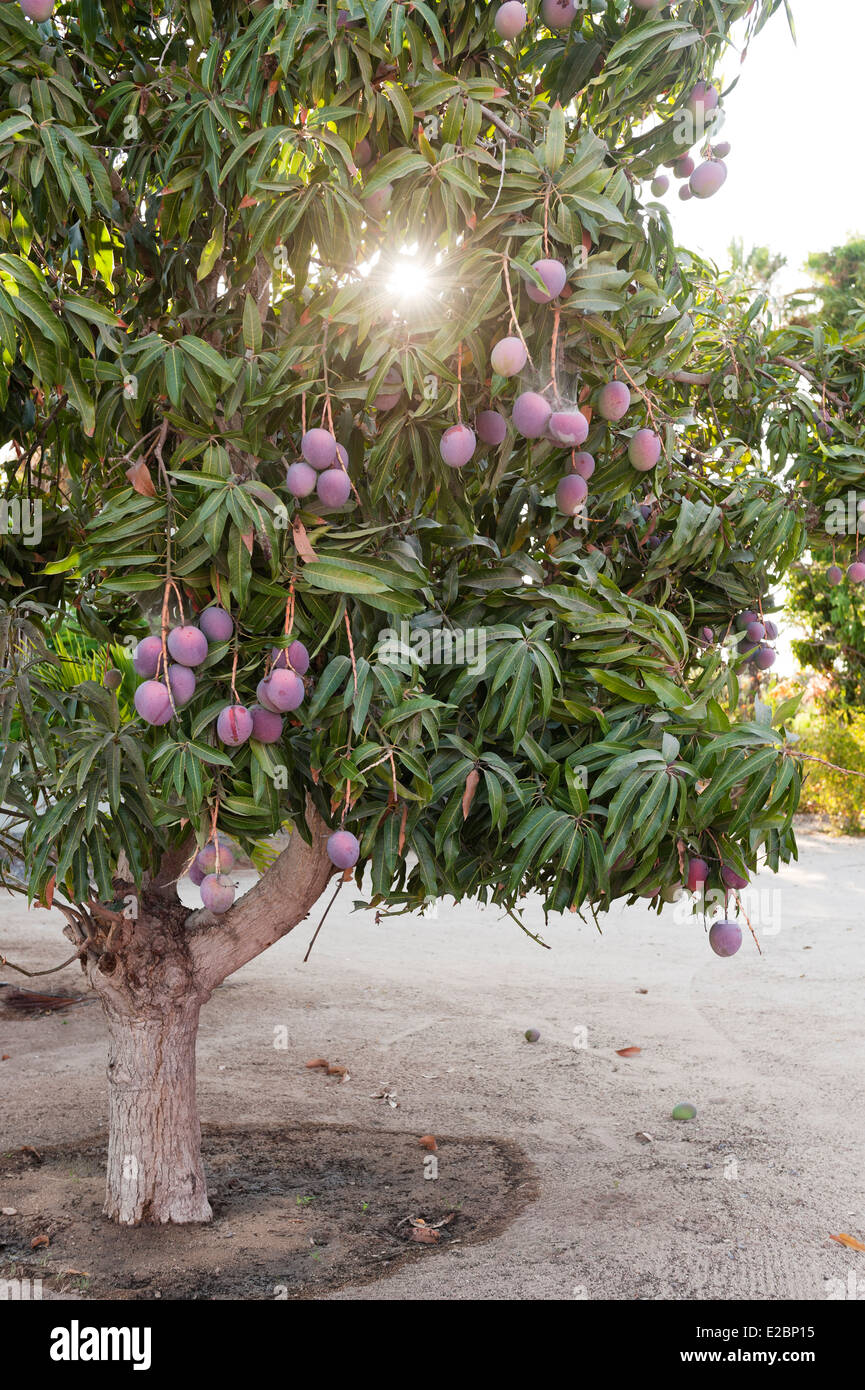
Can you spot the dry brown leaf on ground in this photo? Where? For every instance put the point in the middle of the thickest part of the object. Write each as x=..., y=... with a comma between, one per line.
x=427, y=1141
x=628, y=1051
x=337, y=1070
x=850, y=1242
x=424, y=1235
x=39, y=1241
x=318, y=1062
x=429, y=1225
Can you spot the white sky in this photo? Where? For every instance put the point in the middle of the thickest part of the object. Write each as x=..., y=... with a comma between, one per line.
x=796, y=169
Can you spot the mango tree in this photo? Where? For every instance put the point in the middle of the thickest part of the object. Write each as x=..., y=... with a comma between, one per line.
x=357, y=397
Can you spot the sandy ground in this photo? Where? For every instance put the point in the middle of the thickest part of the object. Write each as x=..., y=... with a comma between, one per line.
x=737, y=1203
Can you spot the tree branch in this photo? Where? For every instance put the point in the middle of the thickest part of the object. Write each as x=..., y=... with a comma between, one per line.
x=281, y=899
x=809, y=376
x=704, y=378
x=690, y=378
x=171, y=866
x=31, y=974
x=506, y=130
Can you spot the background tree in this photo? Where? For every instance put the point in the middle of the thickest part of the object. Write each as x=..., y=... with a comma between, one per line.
x=824, y=603
x=209, y=217
x=840, y=284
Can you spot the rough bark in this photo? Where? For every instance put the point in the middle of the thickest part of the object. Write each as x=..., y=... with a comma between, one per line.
x=153, y=967
x=154, y=1169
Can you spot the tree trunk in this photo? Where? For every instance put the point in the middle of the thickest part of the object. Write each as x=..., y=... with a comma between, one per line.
x=155, y=1172
x=153, y=965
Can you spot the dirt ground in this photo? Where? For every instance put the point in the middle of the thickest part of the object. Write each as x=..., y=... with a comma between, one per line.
x=553, y=1194
x=296, y=1211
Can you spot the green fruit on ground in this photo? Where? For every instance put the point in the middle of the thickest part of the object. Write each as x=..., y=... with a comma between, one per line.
x=684, y=1111
x=531, y=1035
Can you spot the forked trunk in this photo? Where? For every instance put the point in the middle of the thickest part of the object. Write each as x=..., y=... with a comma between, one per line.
x=153, y=966
x=155, y=1172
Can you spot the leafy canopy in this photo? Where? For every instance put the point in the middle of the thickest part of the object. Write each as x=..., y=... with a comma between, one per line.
x=194, y=268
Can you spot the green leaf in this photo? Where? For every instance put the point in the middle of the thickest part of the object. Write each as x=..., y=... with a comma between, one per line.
x=174, y=376
x=401, y=105
x=211, y=253
x=554, y=141
x=205, y=354
x=251, y=325
x=82, y=401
